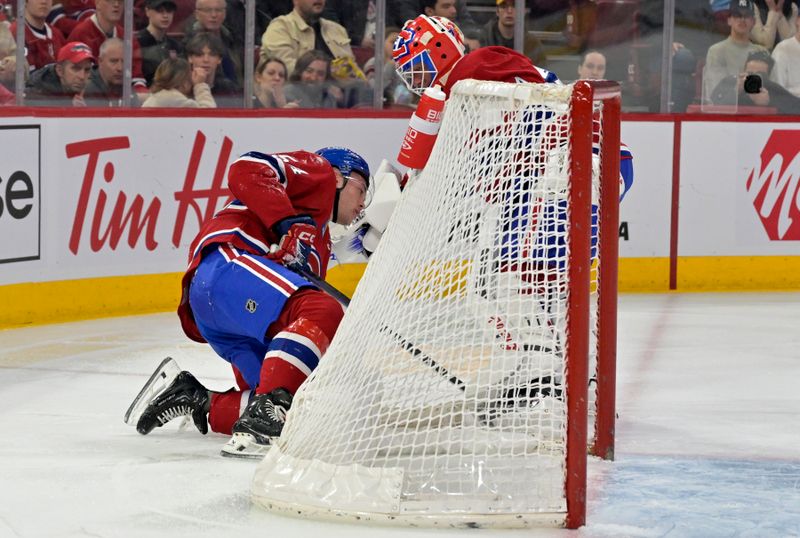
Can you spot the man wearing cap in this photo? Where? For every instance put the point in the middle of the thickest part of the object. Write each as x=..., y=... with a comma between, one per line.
x=155, y=44
x=42, y=41
x=62, y=83
x=733, y=90
x=500, y=32
x=727, y=57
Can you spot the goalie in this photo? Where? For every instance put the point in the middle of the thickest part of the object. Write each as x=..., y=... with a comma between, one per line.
x=429, y=52
x=244, y=294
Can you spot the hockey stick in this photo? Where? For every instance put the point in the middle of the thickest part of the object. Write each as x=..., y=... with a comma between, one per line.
x=404, y=343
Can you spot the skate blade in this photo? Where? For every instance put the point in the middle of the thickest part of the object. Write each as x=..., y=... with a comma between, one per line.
x=164, y=375
x=244, y=446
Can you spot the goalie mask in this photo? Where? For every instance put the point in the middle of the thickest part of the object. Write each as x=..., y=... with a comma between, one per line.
x=426, y=50
x=347, y=161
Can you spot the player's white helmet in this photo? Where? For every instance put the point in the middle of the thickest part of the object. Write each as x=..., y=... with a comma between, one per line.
x=426, y=49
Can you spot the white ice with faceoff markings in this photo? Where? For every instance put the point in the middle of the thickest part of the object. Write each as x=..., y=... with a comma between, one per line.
x=707, y=433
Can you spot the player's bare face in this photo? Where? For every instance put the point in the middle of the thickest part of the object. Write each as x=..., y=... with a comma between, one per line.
x=38, y=9
x=316, y=72
x=421, y=79
x=109, y=10
x=74, y=77
x=160, y=18
x=352, y=198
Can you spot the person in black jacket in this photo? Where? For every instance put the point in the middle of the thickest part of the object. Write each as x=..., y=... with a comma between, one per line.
x=62, y=83
x=359, y=20
x=736, y=89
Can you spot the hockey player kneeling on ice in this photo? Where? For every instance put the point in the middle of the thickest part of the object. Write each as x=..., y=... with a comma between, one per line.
x=245, y=295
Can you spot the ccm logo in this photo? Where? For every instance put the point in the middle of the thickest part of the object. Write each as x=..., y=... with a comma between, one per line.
x=306, y=237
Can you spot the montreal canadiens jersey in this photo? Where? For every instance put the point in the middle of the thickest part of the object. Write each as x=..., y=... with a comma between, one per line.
x=267, y=189
x=499, y=64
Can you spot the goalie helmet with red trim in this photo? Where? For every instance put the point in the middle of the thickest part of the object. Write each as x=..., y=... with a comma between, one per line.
x=426, y=50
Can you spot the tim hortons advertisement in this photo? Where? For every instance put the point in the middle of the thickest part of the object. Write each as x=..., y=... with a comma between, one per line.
x=20, y=194
x=123, y=196
x=740, y=196
x=127, y=195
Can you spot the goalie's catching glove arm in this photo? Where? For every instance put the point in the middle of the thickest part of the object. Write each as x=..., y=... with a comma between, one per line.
x=296, y=245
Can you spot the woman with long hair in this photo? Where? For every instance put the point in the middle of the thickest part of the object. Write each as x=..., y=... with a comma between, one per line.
x=311, y=83
x=268, y=84
x=179, y=85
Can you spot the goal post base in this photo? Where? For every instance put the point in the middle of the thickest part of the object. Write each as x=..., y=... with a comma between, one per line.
x=312, y=489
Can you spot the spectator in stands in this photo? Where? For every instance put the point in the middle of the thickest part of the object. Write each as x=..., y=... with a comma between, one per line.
x=181, y=17
x=358, y=17
x=456, y=11
x=787, y=62
x=155, y=44
x=395, y=91
x=774, y=21
x=731, y=90
x=65, y=15
x=304, y=29
x=177, y=84
x=270, y=81
x=592, y=66
x=235, y=21
x=42, y=42
x=311, y=84
x=62, y=83
x=500, y=31
x=8, y=41
x=209, y=16
x=8, y=75
x=106, y=23
x=105, y=82
x=727, y=57
x=205, y=50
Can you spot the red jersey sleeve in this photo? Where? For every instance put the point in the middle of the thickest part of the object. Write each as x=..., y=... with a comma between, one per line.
x=499, y=64
x=282, y=185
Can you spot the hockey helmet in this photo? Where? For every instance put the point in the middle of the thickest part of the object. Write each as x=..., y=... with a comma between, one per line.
x=425, y=50
x=347, y=161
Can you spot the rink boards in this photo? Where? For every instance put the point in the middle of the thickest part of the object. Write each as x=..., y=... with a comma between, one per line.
x=98, y=212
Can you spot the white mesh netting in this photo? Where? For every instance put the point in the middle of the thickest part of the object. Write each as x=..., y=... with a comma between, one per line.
x=441, y=394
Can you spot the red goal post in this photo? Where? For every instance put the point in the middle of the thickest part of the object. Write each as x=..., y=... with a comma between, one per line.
x=456, y=391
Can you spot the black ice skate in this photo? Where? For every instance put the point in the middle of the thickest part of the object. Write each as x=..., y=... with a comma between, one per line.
x=260, y=424
x=185, y=396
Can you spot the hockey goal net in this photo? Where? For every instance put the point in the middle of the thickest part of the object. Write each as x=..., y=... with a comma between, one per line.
x=455, y=392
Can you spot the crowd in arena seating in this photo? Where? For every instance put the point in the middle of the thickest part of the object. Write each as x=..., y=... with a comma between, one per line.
x=321, y=53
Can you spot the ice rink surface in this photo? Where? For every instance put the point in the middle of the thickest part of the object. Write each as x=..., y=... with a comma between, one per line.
x=708, y=436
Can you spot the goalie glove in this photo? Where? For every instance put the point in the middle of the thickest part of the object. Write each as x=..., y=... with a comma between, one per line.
x=295, y=249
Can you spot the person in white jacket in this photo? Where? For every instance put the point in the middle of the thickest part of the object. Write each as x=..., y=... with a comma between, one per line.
x=177, y=84
x=787, y=62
